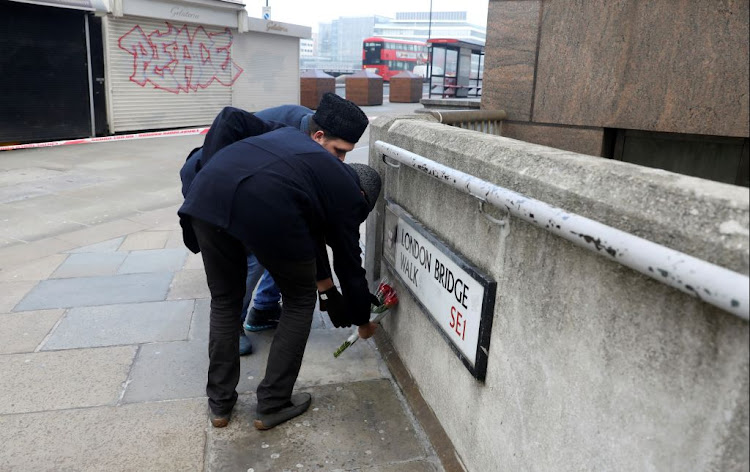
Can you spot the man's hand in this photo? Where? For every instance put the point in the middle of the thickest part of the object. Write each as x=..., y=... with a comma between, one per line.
x=324, y=284
x=332, y=301
x=367, y=330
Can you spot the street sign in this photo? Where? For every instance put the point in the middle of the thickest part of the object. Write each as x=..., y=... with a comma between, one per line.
x=266, y=13
x=455, y=294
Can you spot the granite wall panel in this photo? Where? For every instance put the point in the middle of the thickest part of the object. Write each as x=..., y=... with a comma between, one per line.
x=659, y=65
x=510, y=57
x=582, y=140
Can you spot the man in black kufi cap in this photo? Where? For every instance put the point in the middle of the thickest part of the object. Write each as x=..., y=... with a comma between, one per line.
x=337, y=124
x=280, y=195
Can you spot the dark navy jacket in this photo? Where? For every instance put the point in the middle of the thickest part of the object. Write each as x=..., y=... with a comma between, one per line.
x=282, y=194
x=233, y=124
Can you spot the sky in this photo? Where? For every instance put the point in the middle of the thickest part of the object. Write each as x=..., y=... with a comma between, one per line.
x=312, y=12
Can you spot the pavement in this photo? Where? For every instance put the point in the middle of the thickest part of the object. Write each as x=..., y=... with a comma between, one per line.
x=104, y=326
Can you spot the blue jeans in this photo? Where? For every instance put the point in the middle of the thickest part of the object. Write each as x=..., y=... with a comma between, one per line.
x=268, y=294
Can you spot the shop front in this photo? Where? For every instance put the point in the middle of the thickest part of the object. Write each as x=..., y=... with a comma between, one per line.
x=50, y=65
x=177, y=64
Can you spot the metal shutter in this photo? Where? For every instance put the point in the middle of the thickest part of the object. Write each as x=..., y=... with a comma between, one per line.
x=181, y=75
x=44, y=78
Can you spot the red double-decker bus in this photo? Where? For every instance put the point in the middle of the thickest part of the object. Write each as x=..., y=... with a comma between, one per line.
x=391, y=56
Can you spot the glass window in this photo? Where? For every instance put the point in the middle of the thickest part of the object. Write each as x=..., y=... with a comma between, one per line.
x=474, y=73
x=438, y=60
x=451, y=63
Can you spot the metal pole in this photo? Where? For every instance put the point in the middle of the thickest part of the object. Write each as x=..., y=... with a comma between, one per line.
x=429, y=27
x=713, y=284
x=91, y=78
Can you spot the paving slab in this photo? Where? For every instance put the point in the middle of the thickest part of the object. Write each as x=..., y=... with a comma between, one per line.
x=89, y=264
x=348, y=426
x=193, y=261
x=58, y=380
x=19, y=254
x=11, y=294
x=19, y=192
x=7, y=242
x=45, y=206
x=174, y=225
x=37, y=270
x=409, y=466
x=96, y=212
x=28, y=174
x=168, y=371
x=51, y=184
x=165, y=436
x=165, y=371
x=101, y=232
x=28, y=225
x=156, y=260
x=175, y=239
x=189, y=284
x=202, y=313
x=162, y=216
x=199, y=323
x=145, y=240
x=113, y=325
x=109, y=245
x=359, y=362
x=23, y=332
x=91, y=291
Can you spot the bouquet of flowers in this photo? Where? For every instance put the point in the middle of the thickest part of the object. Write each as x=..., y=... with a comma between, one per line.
x=387, y=299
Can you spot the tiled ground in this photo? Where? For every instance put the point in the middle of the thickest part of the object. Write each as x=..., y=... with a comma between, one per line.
x=103, y=356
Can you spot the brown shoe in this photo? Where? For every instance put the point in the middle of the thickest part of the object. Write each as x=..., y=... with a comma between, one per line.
x=219, y=421
x=299, y=404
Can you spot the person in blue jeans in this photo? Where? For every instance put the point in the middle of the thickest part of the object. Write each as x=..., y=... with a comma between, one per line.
x=228, y=128
x=266, y=310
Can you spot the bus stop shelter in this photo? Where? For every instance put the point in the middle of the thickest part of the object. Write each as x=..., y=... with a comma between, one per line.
x=456, y=68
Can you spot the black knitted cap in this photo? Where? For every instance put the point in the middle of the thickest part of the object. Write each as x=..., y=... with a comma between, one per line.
x=341, y=118
x=369, y=182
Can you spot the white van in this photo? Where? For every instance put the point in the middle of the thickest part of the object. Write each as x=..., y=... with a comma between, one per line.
x=423, y=70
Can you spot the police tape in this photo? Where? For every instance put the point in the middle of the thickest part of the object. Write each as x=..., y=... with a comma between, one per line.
x=119, y=137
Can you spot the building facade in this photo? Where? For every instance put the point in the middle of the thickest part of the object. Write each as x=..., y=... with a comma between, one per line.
x=659, y=83
x=421, y=26
x=339, y=43
x=338, y=47
x=306, y=48
x=84, y=67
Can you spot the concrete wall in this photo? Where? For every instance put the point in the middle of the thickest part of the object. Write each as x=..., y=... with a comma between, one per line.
x=656, y=65
x=592, y=366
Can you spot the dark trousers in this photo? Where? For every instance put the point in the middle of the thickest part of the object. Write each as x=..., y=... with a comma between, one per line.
x=225, y=262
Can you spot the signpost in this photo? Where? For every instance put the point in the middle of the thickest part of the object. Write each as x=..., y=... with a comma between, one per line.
x=456, y=295
x=266, y=12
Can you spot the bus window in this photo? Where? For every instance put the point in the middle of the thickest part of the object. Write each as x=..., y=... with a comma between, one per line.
x=372, y=53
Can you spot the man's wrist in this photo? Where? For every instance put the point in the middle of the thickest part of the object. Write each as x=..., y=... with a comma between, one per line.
x=325, y=284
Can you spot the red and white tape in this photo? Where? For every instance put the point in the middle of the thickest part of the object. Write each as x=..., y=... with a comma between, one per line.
x=119, y=137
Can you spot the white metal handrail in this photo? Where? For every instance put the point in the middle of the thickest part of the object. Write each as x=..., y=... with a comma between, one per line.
x=711, y=283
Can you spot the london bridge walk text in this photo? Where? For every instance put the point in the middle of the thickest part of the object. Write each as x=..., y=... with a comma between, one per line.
x=417, y=257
